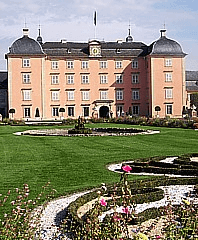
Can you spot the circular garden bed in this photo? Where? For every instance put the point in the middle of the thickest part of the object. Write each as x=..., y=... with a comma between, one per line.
x=87, y=132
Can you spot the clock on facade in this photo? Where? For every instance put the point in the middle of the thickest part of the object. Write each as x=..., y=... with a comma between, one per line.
x=95, y=51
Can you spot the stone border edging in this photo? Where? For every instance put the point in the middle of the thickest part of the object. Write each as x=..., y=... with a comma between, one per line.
x=63, y=132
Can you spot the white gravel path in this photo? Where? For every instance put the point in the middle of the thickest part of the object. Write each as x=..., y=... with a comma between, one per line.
x=53, y=213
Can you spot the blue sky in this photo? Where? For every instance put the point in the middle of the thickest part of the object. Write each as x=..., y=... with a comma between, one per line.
x=73, y=20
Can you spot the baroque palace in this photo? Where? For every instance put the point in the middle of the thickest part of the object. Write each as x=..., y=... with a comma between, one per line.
x=54, y=80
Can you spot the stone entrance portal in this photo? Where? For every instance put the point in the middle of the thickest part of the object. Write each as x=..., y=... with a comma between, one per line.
x=104, y=112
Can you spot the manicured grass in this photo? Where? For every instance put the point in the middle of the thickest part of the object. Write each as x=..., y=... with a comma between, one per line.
x=74, y=163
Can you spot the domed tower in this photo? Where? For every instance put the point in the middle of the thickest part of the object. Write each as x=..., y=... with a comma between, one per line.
x=166, y=46
x=25, y=62
x=167, y=77
x=25, y=45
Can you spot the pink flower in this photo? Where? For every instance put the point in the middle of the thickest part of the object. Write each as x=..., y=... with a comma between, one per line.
x=103, y=202
x=127, y=168
x=125, y=210
x=116, y=218
x=158, y=237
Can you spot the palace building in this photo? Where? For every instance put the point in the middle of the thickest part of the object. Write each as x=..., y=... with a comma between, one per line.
x=54, y=80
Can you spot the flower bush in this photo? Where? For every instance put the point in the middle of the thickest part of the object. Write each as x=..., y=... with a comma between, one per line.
x=20, y=222
x=158, y=122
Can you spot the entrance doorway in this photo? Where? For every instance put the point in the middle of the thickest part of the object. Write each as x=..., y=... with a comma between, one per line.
x=104, y=112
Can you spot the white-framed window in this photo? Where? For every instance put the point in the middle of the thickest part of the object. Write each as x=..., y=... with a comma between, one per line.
x=26, y=112
x=134, y=64
x=84, y=64
x=26, y=78
x=168, y=62
x=70, y=111
x=86, y=111
x=103, y=95
x=26, y=95
x=70, y=95
x=54, y=79
x=119, y=94
x=168, y=77
x=70, y=79
x=119, y=110
x=169, y=109
x=85, y=95
x=26, y=62
x=118, y=64
x=135, y=94
x=135, y=109
x=103, y=79
x=135, y=78
x=103, y=64
x=85, y=79
x=168, y=93
x=70, y=64
x=55, y=95
x=54, y=64
x=55, y=112
x=119, y=78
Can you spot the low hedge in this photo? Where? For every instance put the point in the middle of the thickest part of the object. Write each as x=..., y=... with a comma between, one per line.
x=146, y=121
x=180, y=166
x=118, y=130
x=136, y=186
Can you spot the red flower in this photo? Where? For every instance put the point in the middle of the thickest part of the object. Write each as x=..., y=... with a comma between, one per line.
x=127, y=168
x=103, y=202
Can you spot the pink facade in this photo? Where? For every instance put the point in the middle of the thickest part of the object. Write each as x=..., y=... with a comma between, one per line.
x=56, y=80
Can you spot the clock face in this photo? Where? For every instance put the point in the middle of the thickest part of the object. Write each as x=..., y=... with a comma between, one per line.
x=95, y=51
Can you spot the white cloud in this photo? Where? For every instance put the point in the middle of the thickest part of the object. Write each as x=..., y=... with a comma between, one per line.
x=73, y=20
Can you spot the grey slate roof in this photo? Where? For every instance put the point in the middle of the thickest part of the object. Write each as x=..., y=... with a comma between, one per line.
x=108, y=49
x=3, y=80
x=166, y=46
x=192, y=81
x=25, y=45
x=163, y=45
x=191, y=75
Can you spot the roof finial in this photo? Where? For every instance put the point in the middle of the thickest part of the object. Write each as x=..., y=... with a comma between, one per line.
x=129, y=28
x=163, y=31
x=25, y=23
x=39, y=38
x=25, y=29
x=129, y=38
x=39, y=30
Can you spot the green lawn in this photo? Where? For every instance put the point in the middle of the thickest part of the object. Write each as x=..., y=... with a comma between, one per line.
x=73, y=163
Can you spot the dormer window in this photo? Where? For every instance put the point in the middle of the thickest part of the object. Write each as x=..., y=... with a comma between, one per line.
x=118, y=50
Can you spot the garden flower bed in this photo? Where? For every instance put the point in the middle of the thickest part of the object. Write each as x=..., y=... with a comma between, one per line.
x=87, y=132
x=131, y=193
x=180, y=166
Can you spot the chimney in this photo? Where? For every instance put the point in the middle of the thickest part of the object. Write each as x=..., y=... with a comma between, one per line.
x=163, y=32
x=63, y=40
x=25, y=32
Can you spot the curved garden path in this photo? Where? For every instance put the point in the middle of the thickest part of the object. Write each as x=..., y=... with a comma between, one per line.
x=55, y=210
